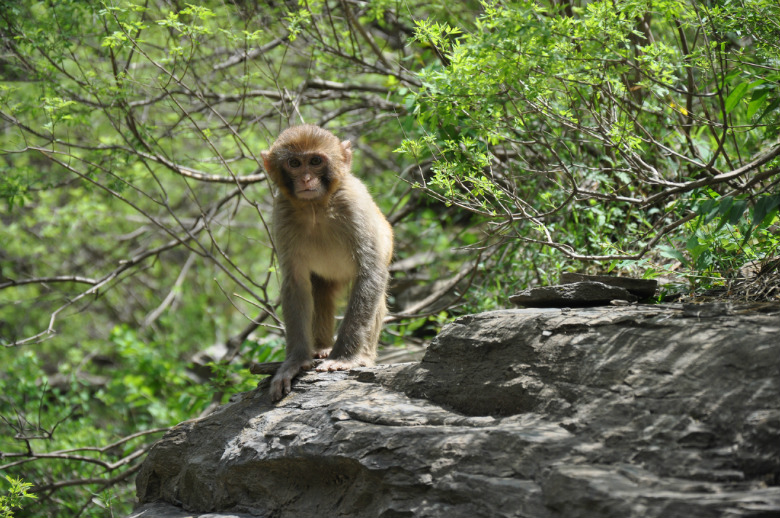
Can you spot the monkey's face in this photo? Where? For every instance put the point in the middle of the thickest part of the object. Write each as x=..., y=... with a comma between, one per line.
x=308, y=163
x=306, y=175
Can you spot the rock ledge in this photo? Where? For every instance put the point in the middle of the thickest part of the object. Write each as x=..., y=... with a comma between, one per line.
x=640, y=411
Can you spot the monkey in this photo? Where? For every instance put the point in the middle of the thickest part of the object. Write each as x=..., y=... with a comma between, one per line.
x=329, y=234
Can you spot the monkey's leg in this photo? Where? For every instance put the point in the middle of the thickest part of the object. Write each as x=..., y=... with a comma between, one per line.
x=357, y=338
x=379, y=322
x=324, y=294
x=297, y=305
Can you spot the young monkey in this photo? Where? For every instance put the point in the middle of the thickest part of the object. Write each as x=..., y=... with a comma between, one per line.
x=328, y=233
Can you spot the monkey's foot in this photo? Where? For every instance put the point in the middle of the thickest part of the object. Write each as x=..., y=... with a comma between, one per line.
x=344, y=364
x=322, y=353
x=281, y=384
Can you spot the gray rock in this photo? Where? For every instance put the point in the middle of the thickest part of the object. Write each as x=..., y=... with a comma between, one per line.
x=642, y=288
x=163, y=510
x=578, y=294
x=640, y=411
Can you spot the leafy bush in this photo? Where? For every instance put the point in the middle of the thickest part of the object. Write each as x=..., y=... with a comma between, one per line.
x=595, y=128
x=15, y=497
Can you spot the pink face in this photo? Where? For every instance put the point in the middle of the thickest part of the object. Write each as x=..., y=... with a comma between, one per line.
x=308, y=175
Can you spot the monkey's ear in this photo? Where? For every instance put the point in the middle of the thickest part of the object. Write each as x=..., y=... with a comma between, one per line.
x=346, y=152
x=266, y=160
x=271, y=171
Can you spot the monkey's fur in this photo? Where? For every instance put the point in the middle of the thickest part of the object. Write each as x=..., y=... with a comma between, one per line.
x=328, y=234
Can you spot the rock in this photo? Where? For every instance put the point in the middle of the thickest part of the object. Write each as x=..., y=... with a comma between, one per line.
x=642, y=288
x=578, y=294
x=629, y=412
x=710, y=310
x=162, y=510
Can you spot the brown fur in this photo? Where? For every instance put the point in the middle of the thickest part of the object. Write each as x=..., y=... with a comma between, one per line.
x=327, y=237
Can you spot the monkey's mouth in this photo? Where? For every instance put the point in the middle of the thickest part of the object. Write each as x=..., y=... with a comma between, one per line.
x=308, y=194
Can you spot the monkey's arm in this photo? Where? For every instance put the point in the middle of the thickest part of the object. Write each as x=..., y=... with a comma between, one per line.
x=358, y=333
x=297, y=306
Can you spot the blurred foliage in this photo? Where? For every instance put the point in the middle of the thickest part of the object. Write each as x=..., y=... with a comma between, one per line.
x=17, y=492
x=507, y=141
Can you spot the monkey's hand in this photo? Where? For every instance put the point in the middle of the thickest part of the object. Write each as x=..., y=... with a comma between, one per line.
x=322, y=353
x=343, y=364
x=281, y=384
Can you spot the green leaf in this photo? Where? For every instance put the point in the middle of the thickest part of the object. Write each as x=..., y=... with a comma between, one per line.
x=733, y=216
x=748, y=233
x=725, y=204
x=709, y=209
x=671, y=253
x=735, y=96
x=757, y=100
x=737, y=211
x=704, y=260
x=769, y=109
x=764, y=206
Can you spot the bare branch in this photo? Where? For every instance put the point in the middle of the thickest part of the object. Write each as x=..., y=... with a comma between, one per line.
x=49, y=280
x=241, y=57
x=721, y=178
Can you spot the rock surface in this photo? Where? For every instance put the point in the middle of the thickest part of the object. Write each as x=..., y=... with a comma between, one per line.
x=642, y=288
x=640, y=411
x=577, y=294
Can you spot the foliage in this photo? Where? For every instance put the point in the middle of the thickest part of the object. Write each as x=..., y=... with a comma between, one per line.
x=18, y=491
x=594, y=128
x=726, y=236
x=137, y=273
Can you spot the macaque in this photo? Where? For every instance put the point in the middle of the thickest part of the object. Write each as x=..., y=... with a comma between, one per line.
x=329, y=234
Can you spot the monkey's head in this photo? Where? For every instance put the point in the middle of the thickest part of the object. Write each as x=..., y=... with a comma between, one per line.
x=308, y=162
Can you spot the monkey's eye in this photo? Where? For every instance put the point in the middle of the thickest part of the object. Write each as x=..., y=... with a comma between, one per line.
x=294, y=163
x=315, y=160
